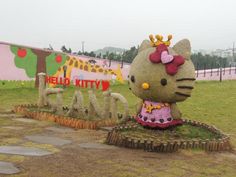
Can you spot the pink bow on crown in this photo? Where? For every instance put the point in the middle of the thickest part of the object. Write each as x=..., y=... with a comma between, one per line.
x=171, y=62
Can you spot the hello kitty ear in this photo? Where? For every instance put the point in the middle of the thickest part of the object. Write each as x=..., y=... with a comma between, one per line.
x=183, y=48
x=145, y=44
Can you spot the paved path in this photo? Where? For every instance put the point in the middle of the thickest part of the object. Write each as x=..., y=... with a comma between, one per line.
x=18, y=123
x=31, y=138
x=8, y=168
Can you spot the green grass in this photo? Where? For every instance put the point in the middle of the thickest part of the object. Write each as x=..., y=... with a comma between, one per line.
x=211, y=102
x=186, y=132
x=193, y=132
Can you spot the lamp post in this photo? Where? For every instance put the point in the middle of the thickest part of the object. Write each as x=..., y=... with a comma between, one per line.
x=83, y=47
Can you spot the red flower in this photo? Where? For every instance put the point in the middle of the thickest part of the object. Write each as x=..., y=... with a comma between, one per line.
x=171, y=67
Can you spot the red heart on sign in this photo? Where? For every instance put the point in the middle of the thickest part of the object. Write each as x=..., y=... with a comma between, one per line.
x=105, y=85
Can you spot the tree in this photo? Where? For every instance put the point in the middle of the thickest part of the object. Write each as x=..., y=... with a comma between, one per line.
x=99, y=55
x=118, y=57
x=111, y=56
x=79, y=53
x=92, y=54
x=104, y=56
x=86, y=53
x=130, y=54
x=34, y=61
x=126, y=56
x=207, y=61
x=69, y=51
x=65, y=50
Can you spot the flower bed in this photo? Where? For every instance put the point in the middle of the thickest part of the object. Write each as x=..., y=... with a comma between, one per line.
x=63, y=120
x=192, y=135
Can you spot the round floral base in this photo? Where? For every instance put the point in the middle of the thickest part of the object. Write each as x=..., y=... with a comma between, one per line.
x=190, y=135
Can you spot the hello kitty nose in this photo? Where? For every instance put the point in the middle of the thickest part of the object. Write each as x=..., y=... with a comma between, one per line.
x=145, y=86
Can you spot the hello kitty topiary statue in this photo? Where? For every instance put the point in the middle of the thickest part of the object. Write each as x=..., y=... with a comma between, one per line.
x=161, y=76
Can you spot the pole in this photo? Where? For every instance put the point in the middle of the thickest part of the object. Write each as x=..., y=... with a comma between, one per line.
x=220, y=74
x=224, y=68
x=211, y=67
x=204, y=69
x=64, y=69
x=83, y=47
x=109, y=62
x=197, y=69
x=233, y=51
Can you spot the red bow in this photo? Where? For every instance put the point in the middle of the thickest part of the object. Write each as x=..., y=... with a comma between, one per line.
x=172, y=66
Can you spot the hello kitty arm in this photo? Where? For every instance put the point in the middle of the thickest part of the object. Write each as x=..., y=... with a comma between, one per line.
x=176, y=114
x=139, y=106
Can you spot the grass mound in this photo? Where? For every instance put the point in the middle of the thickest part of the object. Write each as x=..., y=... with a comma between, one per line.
x=187, y=132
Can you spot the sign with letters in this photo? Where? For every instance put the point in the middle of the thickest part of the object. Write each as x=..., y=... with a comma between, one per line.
x=104, y=84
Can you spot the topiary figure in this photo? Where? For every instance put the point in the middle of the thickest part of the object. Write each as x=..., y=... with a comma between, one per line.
x=161, y=76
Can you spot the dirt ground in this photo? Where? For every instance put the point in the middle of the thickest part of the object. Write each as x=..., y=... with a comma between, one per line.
x=72, y=160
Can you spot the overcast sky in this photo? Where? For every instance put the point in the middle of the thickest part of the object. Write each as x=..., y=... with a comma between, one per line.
x=209, y=24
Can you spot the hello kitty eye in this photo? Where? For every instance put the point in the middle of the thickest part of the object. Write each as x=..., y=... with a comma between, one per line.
x=163, y=82
x=132, y=79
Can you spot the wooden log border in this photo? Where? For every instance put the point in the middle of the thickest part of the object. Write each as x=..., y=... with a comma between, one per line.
x=114, y=137
x=63, y=120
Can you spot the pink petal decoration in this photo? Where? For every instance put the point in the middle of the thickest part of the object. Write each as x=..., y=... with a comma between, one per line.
x=166, y=58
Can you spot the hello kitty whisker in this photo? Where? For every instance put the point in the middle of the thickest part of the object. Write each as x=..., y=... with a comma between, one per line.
x=183, y=79
x=186, y=87
x=182, y=94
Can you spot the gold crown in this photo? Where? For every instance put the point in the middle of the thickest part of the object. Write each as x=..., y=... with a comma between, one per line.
x=159, y=40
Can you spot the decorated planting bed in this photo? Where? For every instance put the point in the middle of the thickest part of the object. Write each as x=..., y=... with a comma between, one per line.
x=191, y=135
x=32, y=111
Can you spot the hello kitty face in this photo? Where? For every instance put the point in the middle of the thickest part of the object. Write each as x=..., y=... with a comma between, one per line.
x=162, y=74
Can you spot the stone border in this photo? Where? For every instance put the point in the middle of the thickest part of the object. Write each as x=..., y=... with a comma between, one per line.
x=63, y=120
x=114, y=137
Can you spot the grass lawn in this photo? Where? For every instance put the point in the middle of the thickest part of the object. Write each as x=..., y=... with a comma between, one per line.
x=211, y=102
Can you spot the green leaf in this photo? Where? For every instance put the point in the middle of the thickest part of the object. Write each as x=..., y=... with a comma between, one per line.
x=52, y=65
x=28, y=63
